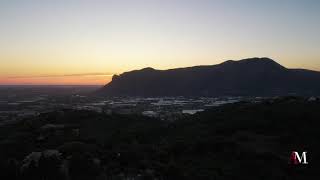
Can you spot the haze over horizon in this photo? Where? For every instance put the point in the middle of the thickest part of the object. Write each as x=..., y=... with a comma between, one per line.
x=87, y=41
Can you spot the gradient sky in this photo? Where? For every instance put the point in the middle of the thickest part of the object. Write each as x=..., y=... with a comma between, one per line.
x=86, y=41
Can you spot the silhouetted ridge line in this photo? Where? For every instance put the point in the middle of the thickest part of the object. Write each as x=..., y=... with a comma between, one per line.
x=247, y=77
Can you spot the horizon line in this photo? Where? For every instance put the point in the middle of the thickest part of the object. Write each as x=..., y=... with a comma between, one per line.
x=52, y=84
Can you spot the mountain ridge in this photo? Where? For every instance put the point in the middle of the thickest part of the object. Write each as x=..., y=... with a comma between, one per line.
x=251, y=76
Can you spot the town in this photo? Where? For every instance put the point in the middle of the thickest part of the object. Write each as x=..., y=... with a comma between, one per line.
x=14, y=106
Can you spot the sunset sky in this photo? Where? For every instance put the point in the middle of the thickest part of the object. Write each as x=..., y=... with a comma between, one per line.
x=87, y=41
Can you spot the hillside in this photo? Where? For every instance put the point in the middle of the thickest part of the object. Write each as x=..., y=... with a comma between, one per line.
x=248, y=77
x=247, y=140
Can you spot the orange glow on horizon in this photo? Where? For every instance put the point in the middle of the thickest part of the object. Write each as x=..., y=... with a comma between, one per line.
x=66, y=80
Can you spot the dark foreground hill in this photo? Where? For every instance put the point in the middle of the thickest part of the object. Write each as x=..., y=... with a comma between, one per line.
x=237, y=141
x=255, y=76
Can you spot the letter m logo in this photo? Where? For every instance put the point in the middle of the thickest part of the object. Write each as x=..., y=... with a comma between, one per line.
x=295, y=158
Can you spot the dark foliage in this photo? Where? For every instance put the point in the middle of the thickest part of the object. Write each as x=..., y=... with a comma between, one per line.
x=237, y=141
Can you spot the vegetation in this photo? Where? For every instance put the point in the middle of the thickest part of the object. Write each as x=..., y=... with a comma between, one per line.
x=243, y=140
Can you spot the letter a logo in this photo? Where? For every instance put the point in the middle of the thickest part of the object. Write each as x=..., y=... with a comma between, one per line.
x=293, y=158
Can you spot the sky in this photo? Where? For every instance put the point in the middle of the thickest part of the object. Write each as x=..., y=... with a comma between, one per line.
x=87, y=41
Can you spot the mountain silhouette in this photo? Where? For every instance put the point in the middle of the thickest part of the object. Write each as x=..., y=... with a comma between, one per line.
x=247, y=77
